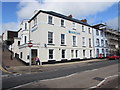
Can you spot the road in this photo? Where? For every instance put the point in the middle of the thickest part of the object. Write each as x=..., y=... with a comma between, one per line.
x=75, y=77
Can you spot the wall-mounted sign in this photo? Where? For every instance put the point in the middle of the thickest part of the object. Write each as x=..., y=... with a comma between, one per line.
x=73, y=32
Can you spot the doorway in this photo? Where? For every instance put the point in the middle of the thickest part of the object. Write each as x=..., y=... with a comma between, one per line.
x=34, y=54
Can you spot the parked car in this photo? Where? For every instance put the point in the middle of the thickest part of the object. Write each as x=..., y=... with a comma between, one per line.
x=113, y=57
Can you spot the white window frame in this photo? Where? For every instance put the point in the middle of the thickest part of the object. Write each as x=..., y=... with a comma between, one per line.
x=52, y=22
x=51, y=54
x=83, y=28
x=74, y=41
x=63, y=40
x=74, y=26
x=64, y=53
x=51, y=38
x=83, y=41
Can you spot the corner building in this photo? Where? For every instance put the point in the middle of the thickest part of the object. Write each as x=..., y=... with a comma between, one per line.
x=59, y=37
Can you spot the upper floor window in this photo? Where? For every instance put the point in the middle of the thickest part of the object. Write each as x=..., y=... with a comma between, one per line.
x=62, y=23
x=89, y=42
x=97, y=32
x=25, y=26
x=35, y=21
x=106, y=43
x=62, y=39
x=97, y=42
x=50, y=37
x=83, y=41
x=89, y=30
x=74, y=26
x=102, y=33
x=74, y=40
x=102, y=42
x=83, y=30
x=50, y=20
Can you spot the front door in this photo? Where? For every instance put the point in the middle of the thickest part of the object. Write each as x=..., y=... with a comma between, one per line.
x=34, y=54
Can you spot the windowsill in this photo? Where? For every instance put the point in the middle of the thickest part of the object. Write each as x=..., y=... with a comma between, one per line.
x=50, y=23
x=74, y=46
x=74, y=28
x=63, y=26
x=63, y=45
x=83, y=31
x=51, y=44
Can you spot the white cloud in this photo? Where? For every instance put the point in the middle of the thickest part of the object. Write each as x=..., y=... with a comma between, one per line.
x=13, y=26
x=113, y=23
x=77, y=9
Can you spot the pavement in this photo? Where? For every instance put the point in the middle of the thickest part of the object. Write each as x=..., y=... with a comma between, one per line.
x=48, y=67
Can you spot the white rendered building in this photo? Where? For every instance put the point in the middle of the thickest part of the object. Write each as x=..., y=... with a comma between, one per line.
x=60, y=37
x=55, y=37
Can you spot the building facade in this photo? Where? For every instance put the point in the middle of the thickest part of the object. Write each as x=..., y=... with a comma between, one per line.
x=100, y=43
x=55, y=37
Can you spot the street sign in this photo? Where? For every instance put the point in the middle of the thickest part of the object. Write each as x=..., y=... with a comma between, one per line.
x=30, y=44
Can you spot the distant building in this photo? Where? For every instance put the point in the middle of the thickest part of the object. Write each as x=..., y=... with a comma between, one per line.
x=8, y=36
x=100, y=41
x=113, y=41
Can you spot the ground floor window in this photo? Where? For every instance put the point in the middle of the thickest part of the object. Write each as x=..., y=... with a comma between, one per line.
x=103, y=52
x=76, y=53
x=72, y=54
x=20, y=54
x=51, y=54
x=84, y=53
x=63, y=53
x=90, y=53
x=97, y=52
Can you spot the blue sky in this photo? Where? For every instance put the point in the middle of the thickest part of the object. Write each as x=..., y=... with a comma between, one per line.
x=95, y=12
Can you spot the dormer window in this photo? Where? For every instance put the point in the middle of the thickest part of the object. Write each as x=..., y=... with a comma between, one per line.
x=50, y=20
x=62, y=23
x=74, y=26
x=35, y=21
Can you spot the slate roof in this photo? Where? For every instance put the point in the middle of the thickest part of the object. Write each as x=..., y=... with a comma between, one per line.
x=59, y=15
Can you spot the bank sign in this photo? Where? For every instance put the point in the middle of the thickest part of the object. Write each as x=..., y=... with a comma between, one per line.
x=73, y=32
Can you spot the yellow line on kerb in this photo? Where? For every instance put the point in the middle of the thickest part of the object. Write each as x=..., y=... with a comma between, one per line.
x=2, y=69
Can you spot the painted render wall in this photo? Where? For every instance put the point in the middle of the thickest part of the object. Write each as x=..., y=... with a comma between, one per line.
x=40, y=35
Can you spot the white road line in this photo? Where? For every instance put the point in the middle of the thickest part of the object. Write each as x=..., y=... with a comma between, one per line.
x=104, y=81
x=60, y=77
x=21, y=85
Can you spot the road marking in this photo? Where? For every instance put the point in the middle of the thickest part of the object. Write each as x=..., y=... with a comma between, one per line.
x=90, y=70
x=60, y=77
x=21, y=85
x=103, y=81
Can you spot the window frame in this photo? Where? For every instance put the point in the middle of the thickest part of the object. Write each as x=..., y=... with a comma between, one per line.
x=50, y=38
x=74, y=41
x=63, y=52
x=51, y=53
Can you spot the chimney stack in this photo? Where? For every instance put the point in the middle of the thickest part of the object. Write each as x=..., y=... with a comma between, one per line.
x=84, y=20
x=70, y=16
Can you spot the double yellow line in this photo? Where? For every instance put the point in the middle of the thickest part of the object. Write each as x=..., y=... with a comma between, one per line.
x=2, y=69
